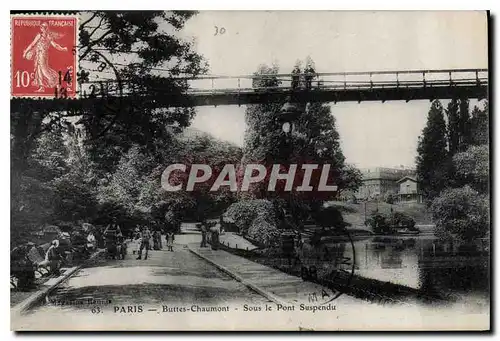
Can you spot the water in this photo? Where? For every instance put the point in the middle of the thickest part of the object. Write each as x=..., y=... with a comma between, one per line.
x=424, y=263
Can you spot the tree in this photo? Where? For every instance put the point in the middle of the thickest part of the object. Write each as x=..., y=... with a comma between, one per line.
x=56, y=174
x=402, y=220
x=390, y=196
x=433, y=162
x=256, y=219
x=314, y=139
x=263, y=135
x=480, y=125
x=33, y=193
x=192, y=147
x=464, y=125
x=349, y=179
x=49, y=159
x=75, y=190
x=461, y=213
x=379, y=223
x=74, y=199
x=149, y=42
x=453, y=126
x=459, y=125
x=472, y=167
x=330, y=217
x=119, y=195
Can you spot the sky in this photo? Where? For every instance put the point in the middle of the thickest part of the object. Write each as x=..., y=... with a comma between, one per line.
x=372, y=134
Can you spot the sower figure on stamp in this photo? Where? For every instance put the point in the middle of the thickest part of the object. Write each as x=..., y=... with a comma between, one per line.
x=38, y=50
x=145, y=237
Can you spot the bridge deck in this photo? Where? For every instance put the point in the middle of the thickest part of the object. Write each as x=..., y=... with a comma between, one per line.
x=325, y=87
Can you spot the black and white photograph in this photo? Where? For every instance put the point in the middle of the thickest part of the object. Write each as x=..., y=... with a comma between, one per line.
x=250, y=170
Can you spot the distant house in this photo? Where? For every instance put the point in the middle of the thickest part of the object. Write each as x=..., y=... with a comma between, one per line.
x=409, y=190
x=378, y=181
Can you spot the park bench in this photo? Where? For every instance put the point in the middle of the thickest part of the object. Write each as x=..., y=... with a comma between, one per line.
x=33, y=260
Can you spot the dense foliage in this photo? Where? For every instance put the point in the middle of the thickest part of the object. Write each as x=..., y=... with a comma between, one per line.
x=379, y=223
x=256, y=219
x=433, y=161
x=457, y=187
x=314, y=139
x=462, y=213
x=103, y=163
x=390, y=223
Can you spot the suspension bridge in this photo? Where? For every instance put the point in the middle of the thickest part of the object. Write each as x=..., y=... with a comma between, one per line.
x=345, y=87
x=214, y=90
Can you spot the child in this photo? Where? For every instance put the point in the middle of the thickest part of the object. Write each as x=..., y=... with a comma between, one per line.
x=170, y=240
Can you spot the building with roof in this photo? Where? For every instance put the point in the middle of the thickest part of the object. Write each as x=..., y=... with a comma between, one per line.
x=377, y=182
x=409, y=190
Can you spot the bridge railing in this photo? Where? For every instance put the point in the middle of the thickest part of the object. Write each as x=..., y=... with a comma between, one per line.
x=214, y=84
x=348, y=80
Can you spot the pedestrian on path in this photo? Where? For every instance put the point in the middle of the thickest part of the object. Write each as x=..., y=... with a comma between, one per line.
x=215, y=232
x=203, y=234
x=160, y=242
x=156, y=240
x=91, y=241
x=145, y=237
x=170, y=240
x=136, y=238
x=53, y=258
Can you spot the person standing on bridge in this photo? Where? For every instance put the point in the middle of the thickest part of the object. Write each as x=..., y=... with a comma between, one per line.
x=309, y=72
x=296, y=76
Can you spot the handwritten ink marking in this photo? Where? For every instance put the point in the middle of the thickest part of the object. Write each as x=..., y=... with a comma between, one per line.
x=219, y=31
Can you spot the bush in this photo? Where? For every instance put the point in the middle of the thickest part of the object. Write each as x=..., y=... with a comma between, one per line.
x=390, y=197
x=255, y=219
x=402, y=220
x=379, y=223
x=329, y=217
x=461, y=213
x=264, y=232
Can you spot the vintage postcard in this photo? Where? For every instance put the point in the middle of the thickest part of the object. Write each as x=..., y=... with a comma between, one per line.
x=250, y=171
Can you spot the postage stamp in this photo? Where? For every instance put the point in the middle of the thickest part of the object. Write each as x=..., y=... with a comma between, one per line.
x=250, y=171
x=44, y=56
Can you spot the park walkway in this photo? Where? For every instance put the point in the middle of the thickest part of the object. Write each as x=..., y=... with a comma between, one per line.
x=235, y=241
x=276, y=285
